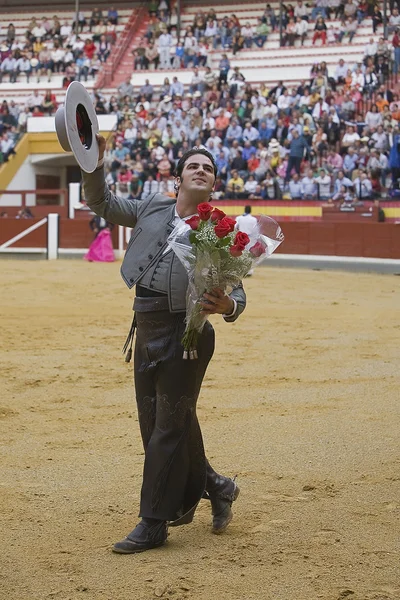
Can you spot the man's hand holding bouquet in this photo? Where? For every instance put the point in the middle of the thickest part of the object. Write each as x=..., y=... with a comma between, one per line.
x=217, y=257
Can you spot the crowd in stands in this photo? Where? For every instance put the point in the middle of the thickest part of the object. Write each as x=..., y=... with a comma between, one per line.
x=334, y=137
x=52, y=46
x=162, y=47
x=309, y=143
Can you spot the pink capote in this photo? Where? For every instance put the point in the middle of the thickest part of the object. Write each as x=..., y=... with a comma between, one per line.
x=101, y=249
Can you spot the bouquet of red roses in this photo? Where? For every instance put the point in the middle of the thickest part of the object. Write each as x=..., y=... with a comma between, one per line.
x=217, y=255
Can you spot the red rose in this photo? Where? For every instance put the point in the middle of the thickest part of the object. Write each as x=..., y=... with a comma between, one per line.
x=217, y=215
x=224, y=226
x=235, y=251
x=204, y=210
x=194, y=221
x=241, y=240
x=257, y=249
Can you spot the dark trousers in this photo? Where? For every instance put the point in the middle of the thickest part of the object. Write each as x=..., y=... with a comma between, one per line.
x=176, y=473
x=294, y=161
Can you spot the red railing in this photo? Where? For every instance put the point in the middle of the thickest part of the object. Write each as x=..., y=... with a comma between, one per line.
x=121, y=45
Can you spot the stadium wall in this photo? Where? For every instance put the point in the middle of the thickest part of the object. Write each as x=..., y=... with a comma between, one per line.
x=372, y=240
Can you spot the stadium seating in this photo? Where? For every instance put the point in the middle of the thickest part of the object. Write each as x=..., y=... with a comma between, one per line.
x=268, y=167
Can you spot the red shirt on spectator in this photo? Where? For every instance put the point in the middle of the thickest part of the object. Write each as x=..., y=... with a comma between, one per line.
x=222, y=122
x=89, y=49
x=253, y=163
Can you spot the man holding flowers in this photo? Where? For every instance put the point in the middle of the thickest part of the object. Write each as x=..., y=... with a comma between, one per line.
x=176, y=472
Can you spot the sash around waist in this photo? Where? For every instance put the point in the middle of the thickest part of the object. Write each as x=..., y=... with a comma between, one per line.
x=150, y=304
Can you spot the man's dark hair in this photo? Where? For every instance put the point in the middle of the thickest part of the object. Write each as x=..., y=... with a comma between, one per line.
x=193, y=152
x=247, y=209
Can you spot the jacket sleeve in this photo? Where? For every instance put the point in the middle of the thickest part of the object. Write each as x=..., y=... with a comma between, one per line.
x=104, y=203
x=239, y=295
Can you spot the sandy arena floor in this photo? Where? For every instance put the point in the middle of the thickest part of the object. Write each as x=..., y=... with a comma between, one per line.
x=301, y=401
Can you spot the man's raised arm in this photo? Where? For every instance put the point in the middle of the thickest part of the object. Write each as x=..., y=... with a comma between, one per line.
x=103, y=202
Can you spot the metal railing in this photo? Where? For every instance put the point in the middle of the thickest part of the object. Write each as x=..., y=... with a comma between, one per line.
x=121, y=45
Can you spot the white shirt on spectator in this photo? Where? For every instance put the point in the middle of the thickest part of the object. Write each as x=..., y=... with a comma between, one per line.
x=341, y=71
x=362, y=187
x=319, y=109
x=38, y=31
x=78, y=45
x=308, y=187
x=301, y=27
x=216, y=140
x=165, y=40
x=373, y=119
x=250, y=134
x=324, y=186
x=34, y=100
x=283, y=102
x=370, y=49
x=149, y=188
x=301, y=11
x=57, y=55
x=247, y=32
x=130, y=133
x=357, y=80
x=23, y=64
x=271, y=108
x=65, y=30
x=212, y=30
x=6, y=145
x=159, y=153
x=8, y=64
x=350, y=138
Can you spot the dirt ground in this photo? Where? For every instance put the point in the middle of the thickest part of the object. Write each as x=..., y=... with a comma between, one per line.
x=301, y=401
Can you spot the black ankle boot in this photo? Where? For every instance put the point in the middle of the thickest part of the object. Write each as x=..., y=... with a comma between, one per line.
x=222, y=491
x=148, y=534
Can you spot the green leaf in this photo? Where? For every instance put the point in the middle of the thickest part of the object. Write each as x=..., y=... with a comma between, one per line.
x=224, y=242
x=192, y=237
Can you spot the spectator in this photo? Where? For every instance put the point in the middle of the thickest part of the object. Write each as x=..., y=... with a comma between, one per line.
x=289, y=34
x=319, y=31
x=261, y=33
x=301, y=28
x=377, y=18
x=112, y=15
x=235, y=186
x=96, y=17
x=394, y=21
x=308, y=186
x=49, y=103
x=295, y=187
x=341, y=181
x=190, y=50
x=362, y=186
x=23, y=65
x=224, y=67
x=298, y=149
x=324, y=185
x=164, y=50
x=9, y=67
x=350, y=162
x=349, y=28
x=126, y=89
x=301, y=11
x=247, y=33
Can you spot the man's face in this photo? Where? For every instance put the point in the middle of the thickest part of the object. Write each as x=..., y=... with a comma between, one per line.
x=197, y=175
